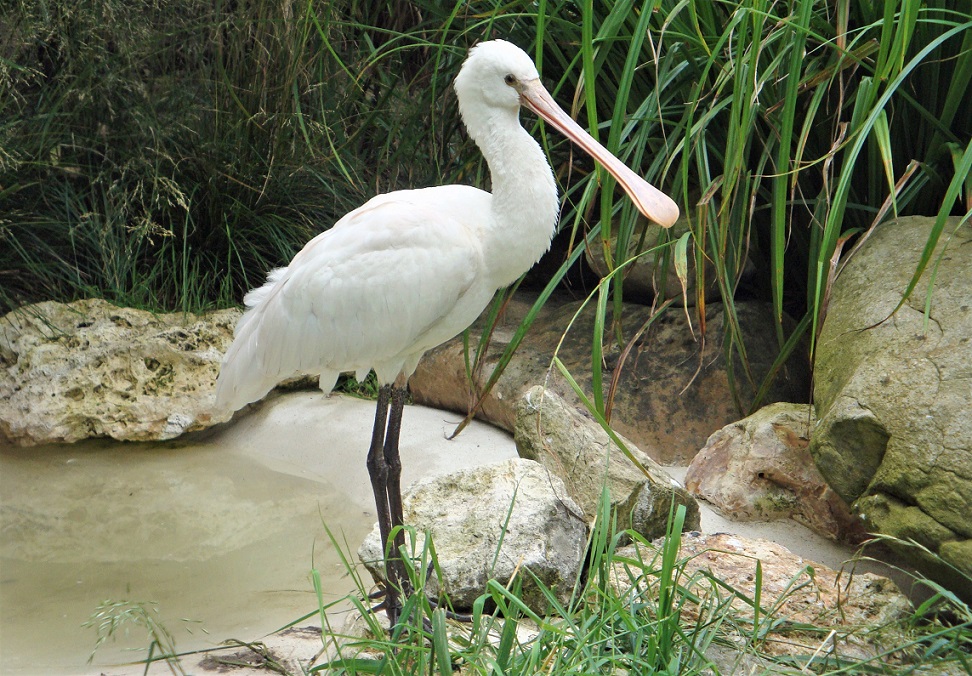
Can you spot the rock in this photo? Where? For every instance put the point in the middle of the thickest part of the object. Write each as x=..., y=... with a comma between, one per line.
x=469, y=516
x=792, y=592
x=291, y=651
x=893, y=397
x=579, y=451
x=672, y=392
x=760, y=469
x=90, y=369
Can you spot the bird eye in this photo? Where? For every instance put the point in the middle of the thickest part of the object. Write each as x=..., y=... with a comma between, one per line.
x=509, y=79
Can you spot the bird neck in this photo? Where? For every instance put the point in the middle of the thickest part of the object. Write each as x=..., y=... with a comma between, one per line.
x=525, y=204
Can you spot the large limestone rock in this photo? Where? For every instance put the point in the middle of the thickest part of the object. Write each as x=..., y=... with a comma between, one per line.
x=491, y=522
x=673, y=391
x=895, y=398
x=760, y=469
x=801, y=601
x=578, y=450
x=90, y=369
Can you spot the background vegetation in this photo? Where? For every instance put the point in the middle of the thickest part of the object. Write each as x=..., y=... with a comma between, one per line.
x=167, y=153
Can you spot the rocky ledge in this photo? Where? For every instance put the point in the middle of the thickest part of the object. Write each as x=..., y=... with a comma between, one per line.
x=91, y=369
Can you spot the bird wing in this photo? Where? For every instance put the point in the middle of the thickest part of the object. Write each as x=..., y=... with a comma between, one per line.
x=390, y=280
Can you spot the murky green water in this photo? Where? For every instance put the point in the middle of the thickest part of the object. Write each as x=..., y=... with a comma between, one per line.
x=221, y=531
x=212, y=537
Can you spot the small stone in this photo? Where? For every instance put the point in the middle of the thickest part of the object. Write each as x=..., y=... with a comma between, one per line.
x=792, y=592
x=493, y=522
x=579, y=451
x=760, y=469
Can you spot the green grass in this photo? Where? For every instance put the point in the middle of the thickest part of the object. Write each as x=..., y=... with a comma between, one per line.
x=113, y=618
x=629, y=613
x=643, y=614
x=169, y=155
x=785, y=130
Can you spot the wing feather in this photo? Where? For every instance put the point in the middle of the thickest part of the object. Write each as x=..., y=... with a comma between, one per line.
x=395, y=277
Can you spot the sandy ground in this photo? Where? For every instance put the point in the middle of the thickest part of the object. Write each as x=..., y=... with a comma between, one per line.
x=285, y=437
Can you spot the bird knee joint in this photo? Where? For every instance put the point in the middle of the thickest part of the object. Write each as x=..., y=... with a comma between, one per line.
x=378, y=468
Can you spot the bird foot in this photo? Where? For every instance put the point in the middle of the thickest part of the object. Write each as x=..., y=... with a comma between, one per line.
x=394, y=612
x=451, y=614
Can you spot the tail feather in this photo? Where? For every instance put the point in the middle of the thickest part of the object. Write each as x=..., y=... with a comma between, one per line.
x=243, y=377
x=240, y=382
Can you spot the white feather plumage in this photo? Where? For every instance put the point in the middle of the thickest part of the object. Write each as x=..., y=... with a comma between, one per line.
x=407, y=270
x=388, y=282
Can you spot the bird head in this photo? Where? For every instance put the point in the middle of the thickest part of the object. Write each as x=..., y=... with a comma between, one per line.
x=493, y=78
x=498, y=77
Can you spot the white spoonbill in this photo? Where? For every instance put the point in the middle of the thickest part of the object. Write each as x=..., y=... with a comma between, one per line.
x=411, y=269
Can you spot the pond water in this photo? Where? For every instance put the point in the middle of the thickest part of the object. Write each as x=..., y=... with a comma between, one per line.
x=220, y=531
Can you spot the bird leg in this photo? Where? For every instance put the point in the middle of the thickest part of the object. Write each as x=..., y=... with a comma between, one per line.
x=378, y=473
x=394, y=484
x=385, y=471
x=394, y=567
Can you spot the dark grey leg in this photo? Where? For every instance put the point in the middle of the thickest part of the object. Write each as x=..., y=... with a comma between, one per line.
x=396, y=573
x=378, y=471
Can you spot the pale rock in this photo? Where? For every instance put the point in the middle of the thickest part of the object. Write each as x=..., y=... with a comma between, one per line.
x=851, y=612
x=493, y=522
x=578, y=450
x=760, y=469
x=91, y=369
